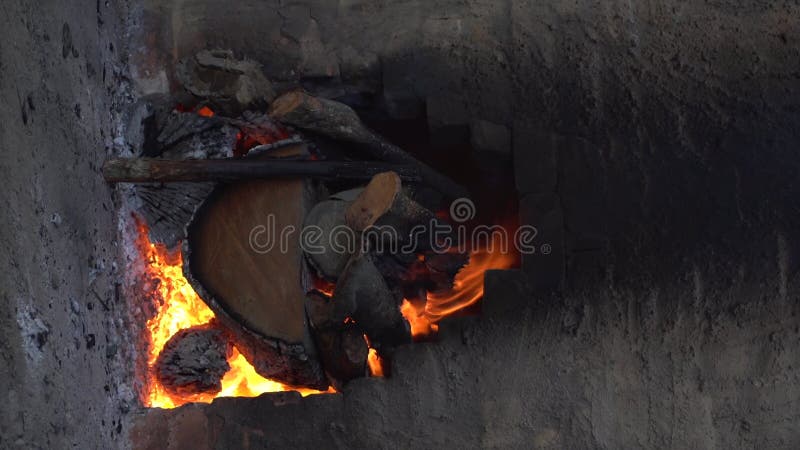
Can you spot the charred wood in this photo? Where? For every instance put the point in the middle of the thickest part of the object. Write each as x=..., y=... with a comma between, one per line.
x=340, y=343
x=167, y=208
x=146, y=170
x=176, y=126
x=339, y=121
x=194, y=361
x=363, y=295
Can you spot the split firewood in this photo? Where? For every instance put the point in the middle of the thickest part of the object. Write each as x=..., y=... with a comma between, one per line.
x=253, y=276
x=340, y=343
x=147, y=170
x=194, y=361
x=363, y=295
x=384, y=206
x=339, y=121
x=328, y=251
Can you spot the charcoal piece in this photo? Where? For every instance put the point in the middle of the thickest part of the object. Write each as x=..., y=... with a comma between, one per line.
x=194, y=361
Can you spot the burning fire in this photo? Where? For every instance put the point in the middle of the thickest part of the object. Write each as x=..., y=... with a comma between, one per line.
x=375, y=363
x=421, y=325
x=179, y=307
x=467, y=290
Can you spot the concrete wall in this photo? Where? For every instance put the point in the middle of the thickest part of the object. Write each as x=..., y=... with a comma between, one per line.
x=622, y=371
x=655, y=147
x=63, y=376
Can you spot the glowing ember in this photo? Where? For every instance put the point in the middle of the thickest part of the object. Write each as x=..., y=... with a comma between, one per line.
x=250, y=136
x=467, y=290
x=179, y=307
x=205, y=111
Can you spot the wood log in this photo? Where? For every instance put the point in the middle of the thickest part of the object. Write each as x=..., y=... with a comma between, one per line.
x=194, y=361
x=147, y=170
x=167, y=208
x=321, y=311
x=383, y=205
x=176, y=126
x=329, y=258
x=190, y=136
x=339, y=121
x=363, y=295
x=341, y=344
x=254, y=280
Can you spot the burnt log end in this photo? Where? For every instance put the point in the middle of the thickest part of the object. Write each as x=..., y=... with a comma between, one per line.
x=194, y=361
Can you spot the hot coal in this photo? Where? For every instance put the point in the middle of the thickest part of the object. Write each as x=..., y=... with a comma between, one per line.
x=194, y=361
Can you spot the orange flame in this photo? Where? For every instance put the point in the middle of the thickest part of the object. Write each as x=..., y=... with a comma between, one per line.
x=375, y=363
x=421, y=324
x=179, y=307
x=467, y=290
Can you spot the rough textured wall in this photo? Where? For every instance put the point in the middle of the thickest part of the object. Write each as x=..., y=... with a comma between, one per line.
x=645, y=134
x=655, y=147
x=665, y=371
x=62, y=378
